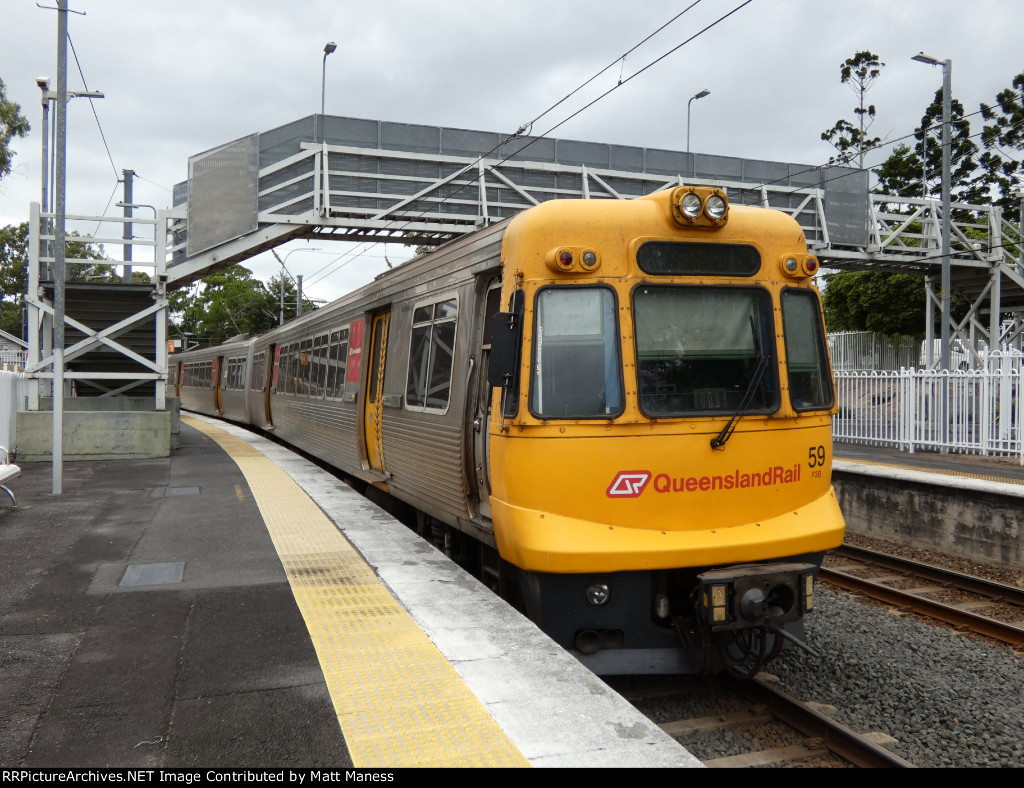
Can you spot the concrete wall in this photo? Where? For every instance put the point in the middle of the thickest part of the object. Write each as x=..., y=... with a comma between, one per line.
x=972, y=518
x=98, y=429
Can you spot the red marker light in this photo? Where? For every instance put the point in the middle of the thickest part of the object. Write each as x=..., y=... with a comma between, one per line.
x=565, y=259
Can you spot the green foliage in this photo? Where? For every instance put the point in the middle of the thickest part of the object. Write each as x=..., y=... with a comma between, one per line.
x=12, y=124
x=1004, y=132
x=230, y=303
x=903, y=172
x=858, y=73
x=892, y=304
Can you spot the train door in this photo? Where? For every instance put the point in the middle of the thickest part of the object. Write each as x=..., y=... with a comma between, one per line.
x=273, y=366
x=246, y=375
x=480, y=398
x=374, y=399
x=218, y=363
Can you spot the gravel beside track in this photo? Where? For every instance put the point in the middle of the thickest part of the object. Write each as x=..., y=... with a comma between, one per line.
x=948, y=699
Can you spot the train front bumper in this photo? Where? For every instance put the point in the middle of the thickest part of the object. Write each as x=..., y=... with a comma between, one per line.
x=540, y=541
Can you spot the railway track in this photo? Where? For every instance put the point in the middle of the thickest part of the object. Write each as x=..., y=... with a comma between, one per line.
x=737, y=724
x=965, y=602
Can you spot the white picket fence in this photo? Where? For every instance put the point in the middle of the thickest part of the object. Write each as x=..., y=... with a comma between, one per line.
x=967, y=412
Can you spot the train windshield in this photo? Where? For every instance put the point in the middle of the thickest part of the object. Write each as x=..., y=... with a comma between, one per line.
x=577, y=369
x=699, y=350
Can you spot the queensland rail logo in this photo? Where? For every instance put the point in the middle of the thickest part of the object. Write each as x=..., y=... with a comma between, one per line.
x=628, y=484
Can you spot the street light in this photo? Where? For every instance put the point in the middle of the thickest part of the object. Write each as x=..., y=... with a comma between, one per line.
x=328, y=49
x=947, y=145
x=700, y=95
x=280, y=319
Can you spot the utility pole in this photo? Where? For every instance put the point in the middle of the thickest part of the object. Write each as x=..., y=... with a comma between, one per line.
x=59, y=264
x=127, y=270
x=298, y=296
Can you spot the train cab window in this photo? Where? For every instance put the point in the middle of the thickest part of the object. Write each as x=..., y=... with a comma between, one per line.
x=577, y=369
x=431, y=356
x=810, y=381
x=704, y=350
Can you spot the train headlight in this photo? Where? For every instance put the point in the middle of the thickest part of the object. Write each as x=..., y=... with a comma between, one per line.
x=691, y=205
x=598, y=594
x=716, y=207
x=699, y=206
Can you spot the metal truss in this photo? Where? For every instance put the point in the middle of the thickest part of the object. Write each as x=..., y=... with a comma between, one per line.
x=41, y=358
x=362, y=195
x=985, y=259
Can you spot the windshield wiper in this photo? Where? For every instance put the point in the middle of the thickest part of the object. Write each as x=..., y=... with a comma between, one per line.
x=762, y=364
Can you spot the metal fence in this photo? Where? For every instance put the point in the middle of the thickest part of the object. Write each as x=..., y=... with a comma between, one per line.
x=966, y=412
x=865, y=350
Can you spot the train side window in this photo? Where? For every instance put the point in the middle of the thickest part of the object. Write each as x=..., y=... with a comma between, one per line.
x=577, y=365
x=304, y=367
x=318, y=367
x=259, y=369
x=810, y=381
x=336, y=362
x=432, y=356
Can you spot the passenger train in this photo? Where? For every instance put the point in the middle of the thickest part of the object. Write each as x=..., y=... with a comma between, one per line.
x=617, y=413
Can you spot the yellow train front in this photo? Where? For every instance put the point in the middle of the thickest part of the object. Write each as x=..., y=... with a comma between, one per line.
x=660, y=432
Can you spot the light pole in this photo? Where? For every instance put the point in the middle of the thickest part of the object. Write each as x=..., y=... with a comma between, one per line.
x=328, y=49
x=48, y=97
x=280, y=319
x=947, y=145
x=700, y=95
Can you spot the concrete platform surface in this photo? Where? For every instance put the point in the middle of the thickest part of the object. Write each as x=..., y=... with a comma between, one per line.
x=147, y=620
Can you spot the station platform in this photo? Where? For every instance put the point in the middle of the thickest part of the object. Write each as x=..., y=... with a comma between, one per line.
x=235, y=606
x=993, y=473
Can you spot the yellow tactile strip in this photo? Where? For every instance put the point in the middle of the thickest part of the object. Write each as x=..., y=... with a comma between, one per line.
x=940, y=471
x=398, y=700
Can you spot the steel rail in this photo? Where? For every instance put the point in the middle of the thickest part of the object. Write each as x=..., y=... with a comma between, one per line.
x=836, y=737
x=824, y=734
x=950, y=614
x=976, y=585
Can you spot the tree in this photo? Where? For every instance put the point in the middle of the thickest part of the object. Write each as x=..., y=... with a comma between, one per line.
x=886, y=303
x=904, y=172
x=12, y=124
x=858, y=73
x=230, y=303
x=1004, y=130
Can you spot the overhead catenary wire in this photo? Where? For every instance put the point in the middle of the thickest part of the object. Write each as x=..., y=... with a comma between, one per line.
x=527, y=127
x=587, y=106
x=92, y=104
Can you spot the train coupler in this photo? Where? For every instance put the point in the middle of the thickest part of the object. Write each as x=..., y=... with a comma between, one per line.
x=756, y=595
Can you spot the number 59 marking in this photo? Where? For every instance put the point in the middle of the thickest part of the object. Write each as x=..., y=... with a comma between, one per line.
x=816, y=456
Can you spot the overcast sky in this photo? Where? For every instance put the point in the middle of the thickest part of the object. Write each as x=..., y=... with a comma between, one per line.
x=184, y=76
